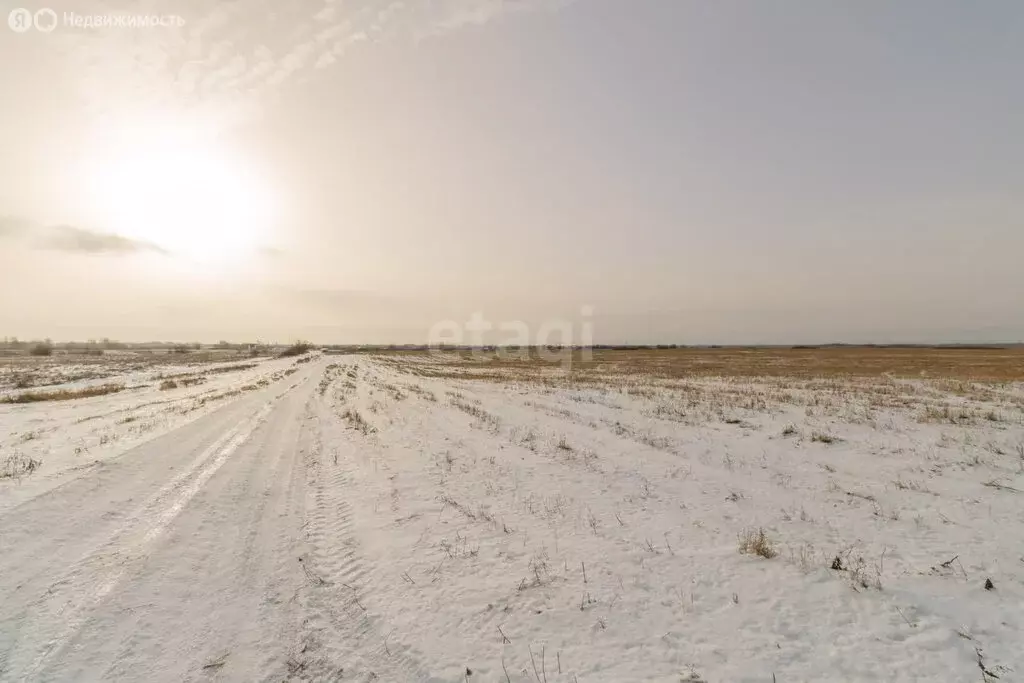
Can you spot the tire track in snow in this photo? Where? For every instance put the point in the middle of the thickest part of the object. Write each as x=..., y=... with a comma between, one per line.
x=337, y=627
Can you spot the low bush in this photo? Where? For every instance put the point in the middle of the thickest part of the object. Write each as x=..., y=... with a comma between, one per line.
x=297, y=349
x=41, y=349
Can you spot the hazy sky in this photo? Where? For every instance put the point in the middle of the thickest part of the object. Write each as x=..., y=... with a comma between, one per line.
x=357, y=171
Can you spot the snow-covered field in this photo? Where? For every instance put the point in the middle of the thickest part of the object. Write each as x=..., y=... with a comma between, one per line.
x=407, y=517
x=148, y=397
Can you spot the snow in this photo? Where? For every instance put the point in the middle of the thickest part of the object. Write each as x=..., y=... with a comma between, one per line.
x=408, y=521
x=67, y=437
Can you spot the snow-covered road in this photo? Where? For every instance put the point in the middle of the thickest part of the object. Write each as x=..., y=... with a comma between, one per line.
x=156, y=563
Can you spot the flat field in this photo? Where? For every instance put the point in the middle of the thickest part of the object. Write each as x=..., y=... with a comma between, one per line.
x=673, y=515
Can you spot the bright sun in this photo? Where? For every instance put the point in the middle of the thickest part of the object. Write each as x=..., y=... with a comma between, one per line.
x=186, y=196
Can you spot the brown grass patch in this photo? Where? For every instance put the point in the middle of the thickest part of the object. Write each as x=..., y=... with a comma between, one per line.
x=17, y=465
x=63, y=395
x=756, y=542
x=963, y=364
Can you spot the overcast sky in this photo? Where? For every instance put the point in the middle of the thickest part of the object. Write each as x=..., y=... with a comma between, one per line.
x=358, y=171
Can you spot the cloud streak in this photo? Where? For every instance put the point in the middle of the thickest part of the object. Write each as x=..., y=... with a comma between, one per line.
x=78, y=240
x=72, y=239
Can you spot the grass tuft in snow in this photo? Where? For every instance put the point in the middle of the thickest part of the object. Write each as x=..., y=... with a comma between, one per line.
x=357, y=421
x=756, y=542
x=18, y=465
x=823, y=437
x=486, y=419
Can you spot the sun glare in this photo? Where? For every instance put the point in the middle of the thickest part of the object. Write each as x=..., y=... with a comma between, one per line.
x=182, y=194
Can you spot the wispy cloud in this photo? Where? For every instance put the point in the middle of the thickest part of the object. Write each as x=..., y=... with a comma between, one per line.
x=72, y=239
x=79, y=240
x=227, y=57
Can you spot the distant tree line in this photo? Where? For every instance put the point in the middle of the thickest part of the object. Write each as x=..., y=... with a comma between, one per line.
x=97, y=347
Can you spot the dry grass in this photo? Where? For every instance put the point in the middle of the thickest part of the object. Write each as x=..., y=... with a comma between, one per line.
x=485, y=418
x=17, y=465
x=422, y=392
x=208, y=371
x=824, y=437
x=63, y=394
x=756, y=542
x=24, y=372
x=357, y=421
x=182, y=381
x=964, y=364
x=701, y=386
